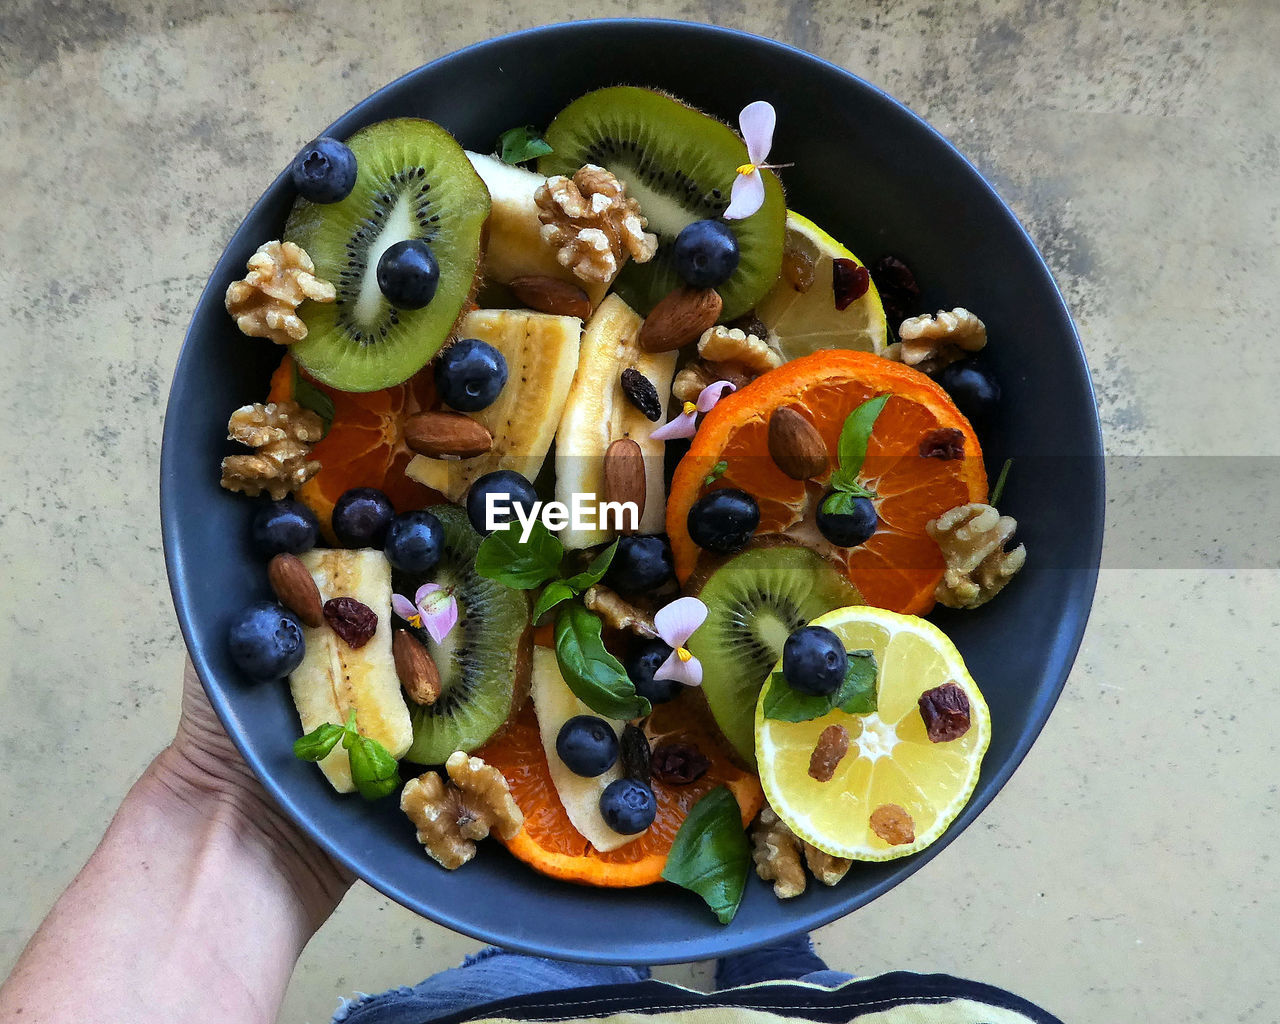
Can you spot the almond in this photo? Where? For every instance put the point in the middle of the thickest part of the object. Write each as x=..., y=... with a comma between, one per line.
x=446, y=435
x=681, y=317
x=418, y=673
x=295, y=588
x=796, y=445
x=551, y=295
x=624, y=478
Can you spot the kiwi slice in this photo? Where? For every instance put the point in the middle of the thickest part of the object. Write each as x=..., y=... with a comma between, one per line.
x=680, y=165
x=755, y=600
x=412, y=181
x=486, y=659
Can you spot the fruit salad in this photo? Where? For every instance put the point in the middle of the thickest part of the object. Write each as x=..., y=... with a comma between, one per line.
x=602, y=497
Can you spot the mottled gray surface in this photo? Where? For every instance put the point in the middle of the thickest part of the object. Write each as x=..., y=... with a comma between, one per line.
x=1125, y=873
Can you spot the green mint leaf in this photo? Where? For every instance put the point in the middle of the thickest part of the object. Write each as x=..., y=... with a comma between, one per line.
x=373, y=770
x=516, y=145
x=520, y=566
x=595, y=676
x=311, y=397
x=856, y=695
x=316, y=744
x=594, y=572
x=711, y=856
x=556, y=592
x=854, y=435
x=997, y=492
x=717, y=471
x=839, y=503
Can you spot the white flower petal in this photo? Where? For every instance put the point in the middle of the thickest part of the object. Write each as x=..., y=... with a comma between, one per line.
x=757, y=122
x=676, y=622
x=403, y=607
x=439, y=615
x=687, y=672
x=746, y=197
x=684, y=425
x=424, y=590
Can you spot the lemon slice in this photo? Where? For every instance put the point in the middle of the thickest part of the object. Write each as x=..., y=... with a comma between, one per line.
x=803, y=322
x=891, y=762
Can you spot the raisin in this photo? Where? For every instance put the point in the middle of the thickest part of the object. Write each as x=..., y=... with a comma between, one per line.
x=352, y=620
x=893, y=824
x=678, y=764
x=635, y=754
x=642, y=393
x=749, y=323
x=944, y=443
x=798, y=269
x=899, y=292
x=833, y=744
x=849, y=281
x=945, y=710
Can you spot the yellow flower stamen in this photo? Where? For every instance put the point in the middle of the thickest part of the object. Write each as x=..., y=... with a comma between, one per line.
x=683, y=653
x=415, y=621
x=747, y=169
x=689, y=408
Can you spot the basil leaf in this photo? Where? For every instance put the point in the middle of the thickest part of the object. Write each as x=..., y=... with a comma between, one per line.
x=594, y=572
x=854, y=435
x=717, y=471
x=520, y=566
x=373, y=770
x=311, y=397
x=997, y=492
x=555, y=593
x=516, y=145
x=316, y=744
x=711, y=856
x=839, y=503
x=595, y=676
x=856, y=695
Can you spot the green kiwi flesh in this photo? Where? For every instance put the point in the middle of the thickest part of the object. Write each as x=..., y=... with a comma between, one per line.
x=484, y=662
x=680, y=165
x=412, y=181
x=755, y=600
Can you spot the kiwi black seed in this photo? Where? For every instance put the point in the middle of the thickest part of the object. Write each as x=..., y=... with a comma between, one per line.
x=680, y=165
x=484, y=662
x=755, y=600
x=413, y=181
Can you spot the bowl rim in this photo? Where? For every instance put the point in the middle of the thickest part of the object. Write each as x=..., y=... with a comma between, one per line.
x=727, y=940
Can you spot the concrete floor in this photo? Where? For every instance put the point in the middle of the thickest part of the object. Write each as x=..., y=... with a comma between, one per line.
x=1124, y=874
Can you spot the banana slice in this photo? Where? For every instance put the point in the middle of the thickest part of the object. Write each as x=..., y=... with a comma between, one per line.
x=598, y=413
x=515, y=247
x=555, y=704
x=334, y=678
x=542, y=353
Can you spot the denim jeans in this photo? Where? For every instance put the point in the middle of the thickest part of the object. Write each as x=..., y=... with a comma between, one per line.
x=494, y=974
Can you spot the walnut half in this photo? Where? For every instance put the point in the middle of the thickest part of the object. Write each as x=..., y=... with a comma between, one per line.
x=935, y=340
x=264, y=304
x=451, y=816
x=973, y=538
x=282, y=434
x=592, y=222
x=725, y=353
x=780, y=857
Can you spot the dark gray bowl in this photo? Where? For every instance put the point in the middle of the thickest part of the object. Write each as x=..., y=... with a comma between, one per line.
x=877, y=177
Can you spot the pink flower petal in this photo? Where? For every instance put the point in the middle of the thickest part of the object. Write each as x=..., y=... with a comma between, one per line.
x=424, y=590
x=687, y=672
x=439, y=611
x=676, y=622
x=684, y=425
x=757, y=122
x=403, y=607
x=712, y=393
x=746, y=197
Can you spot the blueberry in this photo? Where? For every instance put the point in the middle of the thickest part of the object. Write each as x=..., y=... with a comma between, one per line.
x=644, y=661
x=415, y=542
x=514, y=488
x=814, y=661
x=973, y=388
x=266, y=642
x=587, y=745
x=324, y=172
x=848, y=530
x=408, y=274
x=706, y=253
x=628, y=806
x=361, y=517
x=285, y=526
x=470, y=374
x=723, y=520
x=642, y=563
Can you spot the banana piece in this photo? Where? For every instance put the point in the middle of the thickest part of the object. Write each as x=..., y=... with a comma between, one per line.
x=542, y=353
x=598, y=413
x=515, y=247
x=554, y=703
x=333, y=678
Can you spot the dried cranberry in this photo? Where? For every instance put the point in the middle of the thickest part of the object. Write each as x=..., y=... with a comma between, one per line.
x=678, y=764
x=849, y=281
x=897, y=286
x=944, y=443
x=350, y=619
x=945, y=710
x=635, y=754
